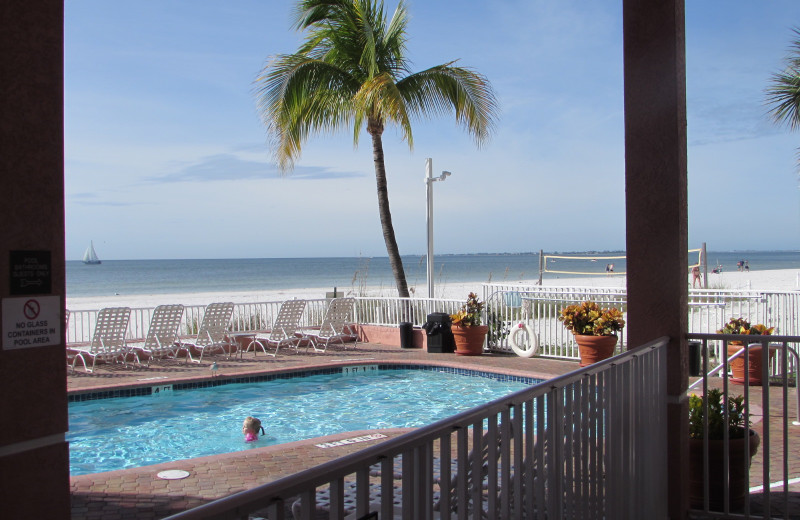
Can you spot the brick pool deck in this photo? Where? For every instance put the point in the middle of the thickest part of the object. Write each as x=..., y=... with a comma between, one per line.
x=139, y=494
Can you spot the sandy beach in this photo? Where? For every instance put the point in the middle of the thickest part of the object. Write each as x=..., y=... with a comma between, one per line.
x=769, y=280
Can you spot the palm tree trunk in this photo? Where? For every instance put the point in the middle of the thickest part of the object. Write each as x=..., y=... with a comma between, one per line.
x=376, y=129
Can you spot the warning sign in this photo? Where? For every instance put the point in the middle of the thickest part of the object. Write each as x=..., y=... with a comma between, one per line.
x=31, y=322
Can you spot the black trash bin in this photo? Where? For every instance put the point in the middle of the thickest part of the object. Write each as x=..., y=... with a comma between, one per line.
x=695, y=350
x=406, y=335
x=439, y=334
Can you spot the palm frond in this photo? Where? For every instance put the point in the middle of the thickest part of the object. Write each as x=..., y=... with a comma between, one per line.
x=351, y=70
x=311, y=12
x=380, y=99
x=297, y=96
x=446, y=88
x=784, y=97
x=783, y=94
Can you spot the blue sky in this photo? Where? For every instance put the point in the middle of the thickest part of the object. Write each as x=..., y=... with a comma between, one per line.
x=165, y=156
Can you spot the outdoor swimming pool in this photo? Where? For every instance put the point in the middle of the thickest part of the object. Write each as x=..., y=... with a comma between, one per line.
x=118, y=433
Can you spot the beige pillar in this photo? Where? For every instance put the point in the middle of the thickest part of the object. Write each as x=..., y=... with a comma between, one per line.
x=656, y=211
x=34, y=461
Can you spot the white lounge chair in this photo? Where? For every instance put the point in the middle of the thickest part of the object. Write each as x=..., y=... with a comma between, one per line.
x=284, y=331
x=337, y=327
x=162, y=336
x=108, y=341
x=213, y=332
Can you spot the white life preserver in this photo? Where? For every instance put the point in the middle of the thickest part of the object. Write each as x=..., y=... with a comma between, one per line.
x=528, y=345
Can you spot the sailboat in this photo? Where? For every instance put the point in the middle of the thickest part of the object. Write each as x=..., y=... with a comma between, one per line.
x=90, y=256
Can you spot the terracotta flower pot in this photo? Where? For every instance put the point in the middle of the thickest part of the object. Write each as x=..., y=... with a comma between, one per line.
x=737, y=469
x=754, y=363
x=469, y=340
x=595, y=348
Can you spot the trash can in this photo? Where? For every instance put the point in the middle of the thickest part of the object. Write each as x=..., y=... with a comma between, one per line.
x=439, y=334
x=406, y=335
x=695, y=349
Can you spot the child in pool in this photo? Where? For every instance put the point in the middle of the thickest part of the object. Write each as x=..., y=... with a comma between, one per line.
x=250, y=429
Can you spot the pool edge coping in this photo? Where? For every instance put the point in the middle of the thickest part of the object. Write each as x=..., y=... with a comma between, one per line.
x=130, y=389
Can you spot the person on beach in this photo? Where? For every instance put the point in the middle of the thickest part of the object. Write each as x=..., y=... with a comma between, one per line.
x=251, y=428
x=696, y=276
x=747, y=265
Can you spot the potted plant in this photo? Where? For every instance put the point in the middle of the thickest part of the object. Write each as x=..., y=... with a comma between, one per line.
x=742, y=326
x=739, y=433
x=594, y=329
x=468, y=332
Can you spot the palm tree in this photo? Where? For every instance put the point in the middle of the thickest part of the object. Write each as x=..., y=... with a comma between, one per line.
x=784, y=91
x=351, y=70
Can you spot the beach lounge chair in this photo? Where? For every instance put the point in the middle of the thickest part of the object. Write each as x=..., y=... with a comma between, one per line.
x=162, y=336
x=284, y=331
x=337, y=326
x=71, y=352
x=212, y=336
x=108, y=341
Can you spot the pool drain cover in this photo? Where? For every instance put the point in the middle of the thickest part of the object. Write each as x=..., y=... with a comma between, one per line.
x=173, y=474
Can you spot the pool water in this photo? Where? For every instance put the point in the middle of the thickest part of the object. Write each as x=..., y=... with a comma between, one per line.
x=119, y=433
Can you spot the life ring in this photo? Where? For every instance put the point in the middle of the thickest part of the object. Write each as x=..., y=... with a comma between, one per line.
x=526, y=346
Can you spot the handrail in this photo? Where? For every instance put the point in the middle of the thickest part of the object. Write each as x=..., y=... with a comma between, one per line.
x=273, y=494
x=719, y=486
x=769, y=342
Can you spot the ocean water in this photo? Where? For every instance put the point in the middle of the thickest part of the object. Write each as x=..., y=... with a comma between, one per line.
x=137, y=277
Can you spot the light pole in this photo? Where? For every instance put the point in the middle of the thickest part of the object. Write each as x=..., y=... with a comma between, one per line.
x=429, y=180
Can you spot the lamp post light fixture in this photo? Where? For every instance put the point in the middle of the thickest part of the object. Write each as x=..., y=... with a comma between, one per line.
x=429, y=180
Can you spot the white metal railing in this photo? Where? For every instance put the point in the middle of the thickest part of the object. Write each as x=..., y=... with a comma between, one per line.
x=246, y=316
x=392, y=311
x=507, y=305
x=779, y=409
x=539, y=307
x=589, y=444
x=709, y=310
x=261, y=315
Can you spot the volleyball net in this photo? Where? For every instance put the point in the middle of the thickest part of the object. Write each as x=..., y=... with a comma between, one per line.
x=599, y=265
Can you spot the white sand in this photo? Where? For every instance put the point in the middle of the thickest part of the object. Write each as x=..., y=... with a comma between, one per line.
x=777, y=279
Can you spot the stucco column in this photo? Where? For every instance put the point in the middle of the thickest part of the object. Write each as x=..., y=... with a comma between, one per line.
x=34, y=460
x=656, y=211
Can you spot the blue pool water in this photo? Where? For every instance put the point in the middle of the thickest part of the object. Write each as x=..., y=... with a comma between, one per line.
x=111, y=434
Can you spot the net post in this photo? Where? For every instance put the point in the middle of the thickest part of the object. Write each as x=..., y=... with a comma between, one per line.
x=704, y=261
x=541, y=265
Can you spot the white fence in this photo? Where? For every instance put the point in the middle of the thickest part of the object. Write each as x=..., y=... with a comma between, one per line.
x=246, y=316
x=539, y=307
x=392, y=311
x=589, y=444
x=261, y=316
x=506, y=306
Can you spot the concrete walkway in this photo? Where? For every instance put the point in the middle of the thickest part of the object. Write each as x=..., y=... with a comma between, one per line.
x=139, y=494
